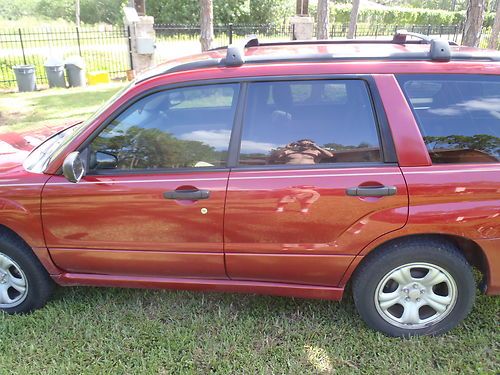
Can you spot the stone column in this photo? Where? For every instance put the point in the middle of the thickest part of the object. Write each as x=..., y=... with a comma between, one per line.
x=303, y=27
x=142, y=36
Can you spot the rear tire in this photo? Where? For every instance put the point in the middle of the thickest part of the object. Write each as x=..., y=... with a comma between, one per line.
x=414, y=287
x=24, y=284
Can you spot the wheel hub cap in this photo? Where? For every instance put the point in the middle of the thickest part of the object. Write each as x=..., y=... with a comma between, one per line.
x=415, y=295
x=13, y=283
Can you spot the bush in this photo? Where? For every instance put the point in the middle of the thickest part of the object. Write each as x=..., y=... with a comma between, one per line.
x=401, y=16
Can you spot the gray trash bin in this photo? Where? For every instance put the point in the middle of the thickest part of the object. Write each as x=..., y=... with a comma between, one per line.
x=75, y=71
x=25, y=77
x=54, y=68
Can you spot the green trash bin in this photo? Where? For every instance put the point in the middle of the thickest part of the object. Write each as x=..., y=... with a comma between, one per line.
x=54, y=68
x=25, y=77
x=75, y=71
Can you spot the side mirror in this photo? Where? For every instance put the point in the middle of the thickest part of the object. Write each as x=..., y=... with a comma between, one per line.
x=104, y=160
x=73, y=168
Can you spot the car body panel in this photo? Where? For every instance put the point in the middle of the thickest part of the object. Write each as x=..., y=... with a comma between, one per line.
x=319, y=221
x=115, y=215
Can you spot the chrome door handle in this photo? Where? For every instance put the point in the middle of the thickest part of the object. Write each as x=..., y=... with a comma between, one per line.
x=188, y=195
x=371, y=191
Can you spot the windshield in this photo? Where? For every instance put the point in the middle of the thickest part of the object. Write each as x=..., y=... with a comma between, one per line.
x=38, y=160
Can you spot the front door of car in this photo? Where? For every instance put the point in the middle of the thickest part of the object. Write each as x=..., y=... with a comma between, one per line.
x=152, y=201
x=316, y=181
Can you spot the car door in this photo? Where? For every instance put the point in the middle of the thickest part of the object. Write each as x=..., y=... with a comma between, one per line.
x=316, y=181
x=152, y=201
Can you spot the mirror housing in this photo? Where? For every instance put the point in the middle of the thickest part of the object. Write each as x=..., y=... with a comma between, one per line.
x=73, y=167
x=104, y=160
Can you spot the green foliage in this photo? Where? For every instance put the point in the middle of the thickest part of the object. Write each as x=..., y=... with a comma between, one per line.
x=225, y=11
x=91, y=11
x=13, y=9
x=401, y=16
x=427, y=4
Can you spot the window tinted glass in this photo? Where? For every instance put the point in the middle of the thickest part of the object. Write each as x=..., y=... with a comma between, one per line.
x=309, y=122
x=459, y=116
x=179, y=128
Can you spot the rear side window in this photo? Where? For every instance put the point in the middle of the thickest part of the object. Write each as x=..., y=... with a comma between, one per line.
x=309, y=122
x=458, y=115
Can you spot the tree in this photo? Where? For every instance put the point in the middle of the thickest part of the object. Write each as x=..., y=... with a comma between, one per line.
x=323, y=13
x=473, y=23
x=493, y=42
x=77, y=13
x=354, y=19
x=206, y=24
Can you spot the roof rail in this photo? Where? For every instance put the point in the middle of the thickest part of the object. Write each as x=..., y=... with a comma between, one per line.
x=235, y=54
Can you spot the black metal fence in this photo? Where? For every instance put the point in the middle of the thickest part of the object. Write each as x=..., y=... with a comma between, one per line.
x=104, y=48
x=108, y=48
x=450, y=32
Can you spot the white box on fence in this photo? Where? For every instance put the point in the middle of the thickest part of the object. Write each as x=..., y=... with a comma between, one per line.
x=145, y=45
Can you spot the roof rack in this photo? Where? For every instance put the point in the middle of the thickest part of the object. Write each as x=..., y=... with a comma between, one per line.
x=235, y=54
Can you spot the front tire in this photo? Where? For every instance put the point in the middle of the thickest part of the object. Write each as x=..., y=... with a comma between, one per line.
x=24, y=284
x=414, y=287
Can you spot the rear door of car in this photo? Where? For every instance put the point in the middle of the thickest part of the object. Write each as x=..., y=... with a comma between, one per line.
x=315, y=180
x=159, y=210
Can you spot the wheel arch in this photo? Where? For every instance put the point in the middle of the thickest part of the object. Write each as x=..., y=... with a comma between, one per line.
x=470, y=249
x=41, y=253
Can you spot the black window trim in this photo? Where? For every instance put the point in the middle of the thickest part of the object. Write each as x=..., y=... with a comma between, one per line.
x=388, y=152
x=402, y=78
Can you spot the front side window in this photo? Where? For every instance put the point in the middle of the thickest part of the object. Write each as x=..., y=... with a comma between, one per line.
x=178, y=128
x=458, y=115
x=309, y=122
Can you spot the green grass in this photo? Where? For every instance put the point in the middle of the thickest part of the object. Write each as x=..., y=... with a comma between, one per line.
x=119, y=331
x=90, y=330
x=55, y=106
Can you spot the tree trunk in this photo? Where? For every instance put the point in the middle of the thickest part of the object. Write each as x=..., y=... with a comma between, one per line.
x=322, y=30
x=493, y=42
x=206, y=24
x=473, y=23
x=302, y=7
x=354, y=19
x=77, y=13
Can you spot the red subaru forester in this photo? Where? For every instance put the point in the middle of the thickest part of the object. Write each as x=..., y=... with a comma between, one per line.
x=282, y=168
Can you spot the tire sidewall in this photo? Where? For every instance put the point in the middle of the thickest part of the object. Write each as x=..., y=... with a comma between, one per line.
x=38, y=282
x=365, y=293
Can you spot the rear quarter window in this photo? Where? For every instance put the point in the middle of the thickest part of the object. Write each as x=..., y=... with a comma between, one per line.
x=458, y=115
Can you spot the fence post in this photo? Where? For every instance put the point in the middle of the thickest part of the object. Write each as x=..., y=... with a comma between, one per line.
x=78, y=39
x=130, y=48
x=22, y=46
x=230, y=33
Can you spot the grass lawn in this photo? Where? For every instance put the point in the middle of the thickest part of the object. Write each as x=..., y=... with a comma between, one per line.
x=55, y=106
x=92, y=330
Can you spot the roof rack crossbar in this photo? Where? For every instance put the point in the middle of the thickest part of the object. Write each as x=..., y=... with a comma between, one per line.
x=439, y=50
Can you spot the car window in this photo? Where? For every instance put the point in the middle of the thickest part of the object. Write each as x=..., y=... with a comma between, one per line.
x=309, y=122
x=178, y=128
x=459, y=116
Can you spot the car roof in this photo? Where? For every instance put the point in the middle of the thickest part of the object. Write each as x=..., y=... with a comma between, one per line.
x=312, y=51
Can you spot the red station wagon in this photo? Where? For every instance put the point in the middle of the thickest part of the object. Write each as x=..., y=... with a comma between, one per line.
x=294, y=169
